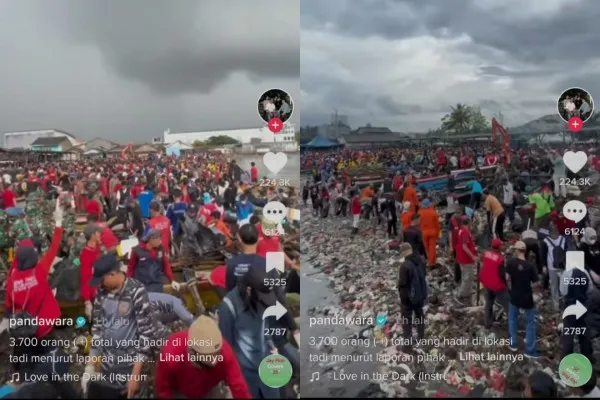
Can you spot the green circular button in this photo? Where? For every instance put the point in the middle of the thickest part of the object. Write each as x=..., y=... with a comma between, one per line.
x=575, y=370
x=275, y=371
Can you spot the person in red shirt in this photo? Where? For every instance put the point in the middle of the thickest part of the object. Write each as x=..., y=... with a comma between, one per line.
x=89, y=254
x=466, y=256
x=108, y=239
x=178, y=374
x=92, y=207
x=161, y=223
x=491, y=159
x=8, y=197
x=149, y=263
x=253, y=172
x=356, y=209
x=28, y=289
x=493, y=279
x=137, y=188
x=397, y=182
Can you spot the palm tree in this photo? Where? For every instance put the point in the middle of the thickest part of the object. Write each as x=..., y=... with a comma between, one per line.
x=458, y=119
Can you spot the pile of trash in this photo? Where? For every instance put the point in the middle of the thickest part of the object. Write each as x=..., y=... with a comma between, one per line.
x=363, y=271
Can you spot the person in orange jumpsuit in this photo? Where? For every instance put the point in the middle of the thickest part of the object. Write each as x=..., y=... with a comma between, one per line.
x=406, y=215
x=430, y=226
x=410, y=195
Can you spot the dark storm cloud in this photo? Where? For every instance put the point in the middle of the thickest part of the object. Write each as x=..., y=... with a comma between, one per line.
x=572, y=33
x=178, y=46
x=128, y=70
x=510, y=56
x=388, y=105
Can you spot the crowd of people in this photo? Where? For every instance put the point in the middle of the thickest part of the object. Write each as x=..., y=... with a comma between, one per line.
x=505, y=235
x=171, y=207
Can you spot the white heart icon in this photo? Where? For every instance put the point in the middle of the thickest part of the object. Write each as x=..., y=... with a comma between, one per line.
x=575, y=161
x=274, y=162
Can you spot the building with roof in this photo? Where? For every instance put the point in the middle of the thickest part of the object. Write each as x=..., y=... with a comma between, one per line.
x=369, y=136
x=24, y=139
x=56, y=144
x=285, y=139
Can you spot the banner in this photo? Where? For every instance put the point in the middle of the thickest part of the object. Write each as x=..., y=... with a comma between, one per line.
x=497, y=128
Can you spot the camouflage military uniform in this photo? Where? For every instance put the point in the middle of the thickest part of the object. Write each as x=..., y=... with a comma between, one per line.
x=34, y=203
x=20, y=230
x=130, y=307
x=80, y=243
x=69, y=215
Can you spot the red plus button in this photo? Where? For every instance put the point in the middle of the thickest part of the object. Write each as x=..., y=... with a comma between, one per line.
x=575, y=124
x=275, y=125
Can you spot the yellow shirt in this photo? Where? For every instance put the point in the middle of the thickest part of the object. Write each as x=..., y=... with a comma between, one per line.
x=492, y=204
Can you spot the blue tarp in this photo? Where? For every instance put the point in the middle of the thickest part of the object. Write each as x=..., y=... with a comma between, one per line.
x=174, y=150
x=320, y=142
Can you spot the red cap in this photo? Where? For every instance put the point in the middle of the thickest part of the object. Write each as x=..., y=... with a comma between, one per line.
x=497, y=243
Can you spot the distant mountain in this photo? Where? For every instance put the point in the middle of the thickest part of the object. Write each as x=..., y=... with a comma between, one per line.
x=550, y=123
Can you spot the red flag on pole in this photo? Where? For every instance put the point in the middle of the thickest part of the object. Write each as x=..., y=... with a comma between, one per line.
x=497, y=128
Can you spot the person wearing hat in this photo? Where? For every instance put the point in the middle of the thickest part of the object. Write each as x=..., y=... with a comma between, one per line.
x=493, y=278
x=431, y=229
x=412, y=288
x=243, y=327
x=149, y=263
x=520, y=275
x=88, y=256
x=122, y=313
x=161, y=223
x=194, y=363
x=107, y=237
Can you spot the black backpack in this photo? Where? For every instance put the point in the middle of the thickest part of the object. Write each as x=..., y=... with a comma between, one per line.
x=558, y=254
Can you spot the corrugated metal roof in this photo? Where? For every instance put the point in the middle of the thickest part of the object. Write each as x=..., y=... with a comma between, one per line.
x=49, y=141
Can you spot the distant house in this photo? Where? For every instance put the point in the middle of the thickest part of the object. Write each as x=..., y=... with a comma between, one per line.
x=373, y=137
x=24, y=139
x=52, y=144
x=99, y=144
x=138, y=149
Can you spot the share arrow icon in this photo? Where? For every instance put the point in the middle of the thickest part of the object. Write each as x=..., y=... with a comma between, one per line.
x=277, y=311
x=576, y=309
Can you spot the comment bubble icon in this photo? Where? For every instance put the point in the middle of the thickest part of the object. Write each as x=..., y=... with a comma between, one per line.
x=575, y=210
x=274, y=211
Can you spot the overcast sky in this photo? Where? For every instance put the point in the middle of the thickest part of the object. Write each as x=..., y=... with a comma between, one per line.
x=403, y=63
x=128, y=70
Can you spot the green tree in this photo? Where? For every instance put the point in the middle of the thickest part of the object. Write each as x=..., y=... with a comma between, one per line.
x=220, y=140
x=464, y=119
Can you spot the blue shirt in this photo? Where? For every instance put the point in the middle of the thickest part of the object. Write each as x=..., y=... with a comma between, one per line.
x=174, y=212
x=144, y=199
x=475, y=186
x=244, y=211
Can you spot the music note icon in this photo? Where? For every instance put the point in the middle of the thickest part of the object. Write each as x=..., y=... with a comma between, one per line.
x=315, y=377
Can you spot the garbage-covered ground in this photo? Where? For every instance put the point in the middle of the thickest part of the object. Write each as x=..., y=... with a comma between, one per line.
x=361, y=271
